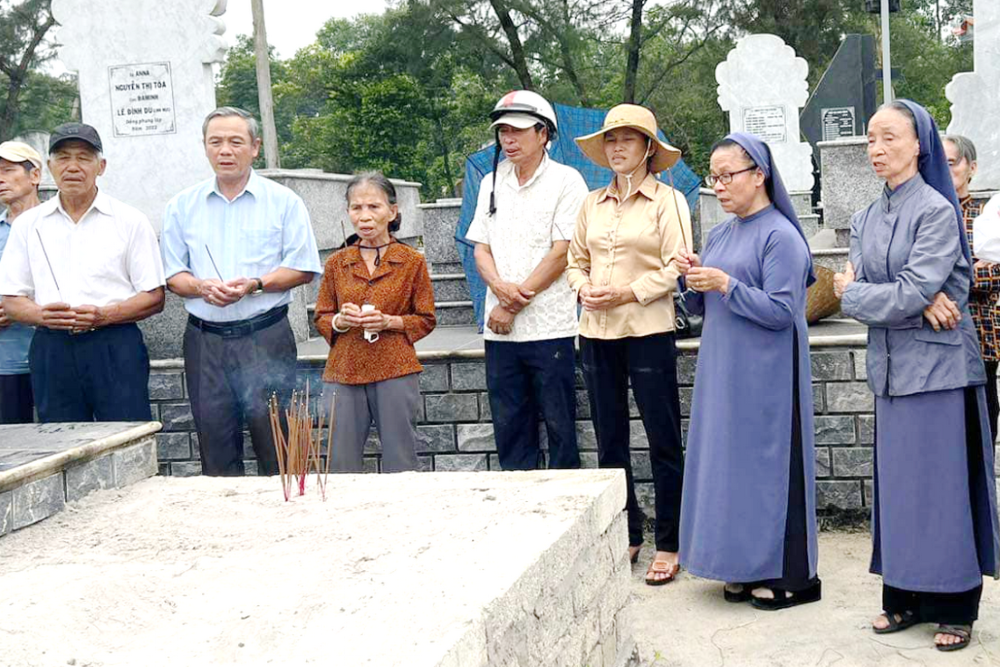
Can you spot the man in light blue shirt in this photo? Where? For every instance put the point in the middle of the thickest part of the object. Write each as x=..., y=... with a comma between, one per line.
x=20, y=174
x=234, y=247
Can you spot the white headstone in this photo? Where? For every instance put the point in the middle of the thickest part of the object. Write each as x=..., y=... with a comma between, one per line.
x=762, y=84
x=146, y=84
x=975, y=96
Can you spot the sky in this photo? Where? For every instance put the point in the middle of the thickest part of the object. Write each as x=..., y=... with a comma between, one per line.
x=292, y=24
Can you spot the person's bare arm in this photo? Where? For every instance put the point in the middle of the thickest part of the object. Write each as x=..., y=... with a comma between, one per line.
x=548, y=270
x=52, y=316
x=512, y=297
x=134, y=309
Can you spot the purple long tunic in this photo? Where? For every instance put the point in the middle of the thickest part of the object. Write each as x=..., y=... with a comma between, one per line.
x=736, y=474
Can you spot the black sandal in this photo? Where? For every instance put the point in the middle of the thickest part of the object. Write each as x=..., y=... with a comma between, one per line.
x=907, y=620
x=963, y=632
x=742, y=596
x=786, y=599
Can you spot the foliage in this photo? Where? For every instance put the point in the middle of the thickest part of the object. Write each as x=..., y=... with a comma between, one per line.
x=24, y=26
x=408, y=91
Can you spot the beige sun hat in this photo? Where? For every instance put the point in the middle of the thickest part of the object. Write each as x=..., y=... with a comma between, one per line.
x=638, y=118
x=15, y=151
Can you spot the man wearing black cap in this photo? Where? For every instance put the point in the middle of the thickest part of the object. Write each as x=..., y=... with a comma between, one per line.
x=84, y=268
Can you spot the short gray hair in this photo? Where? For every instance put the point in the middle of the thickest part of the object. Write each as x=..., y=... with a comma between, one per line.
x=966, y=149
x=229, y=112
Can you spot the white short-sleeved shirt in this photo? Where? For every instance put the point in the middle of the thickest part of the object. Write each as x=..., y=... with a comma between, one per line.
x=109, y=256
x=529, y=218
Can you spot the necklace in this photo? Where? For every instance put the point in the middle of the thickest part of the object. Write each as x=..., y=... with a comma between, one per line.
x=377, y=249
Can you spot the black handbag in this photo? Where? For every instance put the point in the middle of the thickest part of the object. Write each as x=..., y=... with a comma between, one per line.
x=686, y=325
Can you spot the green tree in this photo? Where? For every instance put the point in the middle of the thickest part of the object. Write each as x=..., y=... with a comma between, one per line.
x=23, y=27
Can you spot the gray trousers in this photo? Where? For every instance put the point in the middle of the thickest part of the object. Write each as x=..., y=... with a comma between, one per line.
x=230, y=381
x=392, y=404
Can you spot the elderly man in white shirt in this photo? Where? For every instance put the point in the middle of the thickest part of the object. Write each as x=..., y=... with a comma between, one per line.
x=523, y=224
x=84, y=268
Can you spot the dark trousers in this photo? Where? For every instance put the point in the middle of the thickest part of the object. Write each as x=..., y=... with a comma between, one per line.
x=948, y=608
x=795, y=572
x=650, y=363
x=992, y=402
x=524, y=379
x=100, y=375
x=17, y=403
x=230, y=381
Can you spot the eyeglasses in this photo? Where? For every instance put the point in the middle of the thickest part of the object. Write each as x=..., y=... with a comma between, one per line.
x=725, y=179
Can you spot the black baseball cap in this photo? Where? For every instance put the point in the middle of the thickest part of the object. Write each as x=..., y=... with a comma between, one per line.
x=78, y=131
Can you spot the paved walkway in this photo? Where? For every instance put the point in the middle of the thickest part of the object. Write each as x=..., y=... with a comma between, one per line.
x=687, y=623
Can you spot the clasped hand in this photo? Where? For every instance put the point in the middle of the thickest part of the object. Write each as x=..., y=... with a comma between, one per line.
x=372, y=320
x=219, y=293
x=63, y=317
x=942, y=313
x=603, y=297
x=701, y=278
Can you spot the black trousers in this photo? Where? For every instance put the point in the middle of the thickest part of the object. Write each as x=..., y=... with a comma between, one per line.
x=795, y=572
x=650, y=363
x=100, y=375
x=17, y=402
x=992, y=402
x=524, y=379
x=230, y=381
x=949, y=608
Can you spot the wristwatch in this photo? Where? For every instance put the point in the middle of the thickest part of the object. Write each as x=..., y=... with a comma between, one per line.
x=259, y=289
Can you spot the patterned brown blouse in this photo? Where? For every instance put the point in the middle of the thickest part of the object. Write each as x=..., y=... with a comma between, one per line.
x=401, y=286
x=985, y=292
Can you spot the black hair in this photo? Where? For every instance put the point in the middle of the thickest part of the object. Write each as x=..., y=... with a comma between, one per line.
x=728, y=143
x=905, y=110
x=379, y=180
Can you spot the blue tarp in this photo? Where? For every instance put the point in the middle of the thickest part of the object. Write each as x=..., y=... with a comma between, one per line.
x=573, y=122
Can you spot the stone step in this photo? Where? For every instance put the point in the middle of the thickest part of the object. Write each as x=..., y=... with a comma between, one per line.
x=449, y=313
x=451, y=287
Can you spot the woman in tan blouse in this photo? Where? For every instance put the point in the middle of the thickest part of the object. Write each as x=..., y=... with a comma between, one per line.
x=622, y=264
x=375, y=302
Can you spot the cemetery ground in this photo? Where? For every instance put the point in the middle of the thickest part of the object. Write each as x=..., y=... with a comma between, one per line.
x=688, y=624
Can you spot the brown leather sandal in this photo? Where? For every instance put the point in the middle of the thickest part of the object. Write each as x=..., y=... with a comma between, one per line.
x=661, y=567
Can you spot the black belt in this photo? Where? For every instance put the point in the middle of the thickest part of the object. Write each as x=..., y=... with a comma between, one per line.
x=240, y=327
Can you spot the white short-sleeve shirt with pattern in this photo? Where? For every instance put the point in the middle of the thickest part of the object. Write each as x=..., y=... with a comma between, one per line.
x=528, y=219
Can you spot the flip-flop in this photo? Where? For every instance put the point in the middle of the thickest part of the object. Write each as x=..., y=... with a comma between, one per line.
x=963, y=632
x=908, y=620
x=785, y=599
x=666, y=569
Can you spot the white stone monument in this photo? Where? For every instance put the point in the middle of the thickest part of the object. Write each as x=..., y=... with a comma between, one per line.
x=975, y=96
x=146, y=84
x=762, y=84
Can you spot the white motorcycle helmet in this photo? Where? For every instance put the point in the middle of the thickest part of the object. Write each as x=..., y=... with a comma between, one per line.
x=521, y=109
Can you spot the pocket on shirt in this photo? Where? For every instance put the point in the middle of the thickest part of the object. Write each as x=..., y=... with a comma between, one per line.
x=943, y=337
x=261, y=246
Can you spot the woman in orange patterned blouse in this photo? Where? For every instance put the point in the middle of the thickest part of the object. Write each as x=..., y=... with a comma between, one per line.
x=985, y=292
x=375, y=302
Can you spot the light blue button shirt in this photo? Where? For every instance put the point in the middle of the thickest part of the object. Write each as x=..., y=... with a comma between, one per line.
x=265, y=227
x=15, y=339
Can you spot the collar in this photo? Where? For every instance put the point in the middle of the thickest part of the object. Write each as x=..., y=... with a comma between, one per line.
x=511, y=173
x=647, y=188
x=252, y=187
x=892, y=199
x=3, y=217
x=102, y=203
x=759, y=214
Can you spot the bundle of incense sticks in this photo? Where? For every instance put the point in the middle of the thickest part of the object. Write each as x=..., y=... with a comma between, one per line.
x=300, y=453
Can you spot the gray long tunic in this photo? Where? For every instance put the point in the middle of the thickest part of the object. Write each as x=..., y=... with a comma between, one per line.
x=927, y=535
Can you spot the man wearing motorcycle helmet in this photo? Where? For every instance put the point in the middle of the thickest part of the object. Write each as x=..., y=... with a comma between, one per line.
x=524, y=221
